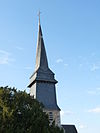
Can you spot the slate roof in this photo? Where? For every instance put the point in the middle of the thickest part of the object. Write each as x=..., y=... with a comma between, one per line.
x=69, y=128
x=41, y=57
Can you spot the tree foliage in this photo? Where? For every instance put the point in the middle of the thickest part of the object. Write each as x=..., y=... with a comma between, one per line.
x=19, y=113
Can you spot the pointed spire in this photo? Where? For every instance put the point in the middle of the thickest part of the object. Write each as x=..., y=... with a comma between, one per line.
x=41, y=58
x=42, y=71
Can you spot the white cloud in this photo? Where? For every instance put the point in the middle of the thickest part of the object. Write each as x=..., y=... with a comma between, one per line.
x=98, y=89
x=95, y=67
x=5, y=57
x=66, y=64
x=94, y=91
x=59, y=60
x=94, y=110
x=62, y=61
x=80, y=64
x=19, y=48
x=28, y=68
x=82, y=126
x=63, y=113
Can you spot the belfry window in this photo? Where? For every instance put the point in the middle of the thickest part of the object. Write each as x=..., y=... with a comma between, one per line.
x=51, y=116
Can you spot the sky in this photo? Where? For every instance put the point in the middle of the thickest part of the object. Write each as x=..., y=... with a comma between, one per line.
x=71, y=32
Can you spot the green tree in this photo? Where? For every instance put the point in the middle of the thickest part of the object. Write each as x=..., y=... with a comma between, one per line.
x=19, y=113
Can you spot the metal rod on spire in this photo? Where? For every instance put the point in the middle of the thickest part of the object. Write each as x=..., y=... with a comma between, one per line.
x=39, y=16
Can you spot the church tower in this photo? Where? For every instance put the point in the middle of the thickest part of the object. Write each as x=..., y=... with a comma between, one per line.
x=42, y=82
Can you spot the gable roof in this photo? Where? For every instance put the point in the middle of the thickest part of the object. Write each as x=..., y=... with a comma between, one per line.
x=69, y=128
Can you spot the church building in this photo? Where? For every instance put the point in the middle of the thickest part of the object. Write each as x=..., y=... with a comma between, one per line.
x=42, y=85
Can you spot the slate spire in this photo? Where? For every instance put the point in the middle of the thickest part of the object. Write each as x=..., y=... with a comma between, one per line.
x=41, y=57
x=42, y=71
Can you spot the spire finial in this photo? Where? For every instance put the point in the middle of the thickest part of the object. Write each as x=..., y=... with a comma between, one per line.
x=39, y=16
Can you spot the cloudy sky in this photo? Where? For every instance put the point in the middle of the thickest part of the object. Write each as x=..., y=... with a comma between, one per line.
x=71, y=32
